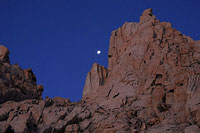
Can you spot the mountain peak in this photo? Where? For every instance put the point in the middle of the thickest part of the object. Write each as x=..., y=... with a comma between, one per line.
x=152, y=85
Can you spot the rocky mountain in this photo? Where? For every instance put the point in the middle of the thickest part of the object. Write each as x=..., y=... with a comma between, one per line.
x=151, y=85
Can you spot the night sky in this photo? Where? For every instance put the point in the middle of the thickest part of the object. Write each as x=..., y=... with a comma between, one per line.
x=59, y=39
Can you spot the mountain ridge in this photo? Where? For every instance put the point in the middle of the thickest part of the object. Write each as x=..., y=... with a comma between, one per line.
x=151, y=85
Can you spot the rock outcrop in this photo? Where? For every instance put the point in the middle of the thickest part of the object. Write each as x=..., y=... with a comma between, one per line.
x=4, y=52
x=152, y=85
x=16, y=84
x=95, y=78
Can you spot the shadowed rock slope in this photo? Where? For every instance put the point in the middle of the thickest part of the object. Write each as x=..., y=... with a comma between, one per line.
x=16, y=84
x=152, y=85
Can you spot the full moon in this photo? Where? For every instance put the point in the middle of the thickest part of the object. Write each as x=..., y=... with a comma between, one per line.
x=98, y=52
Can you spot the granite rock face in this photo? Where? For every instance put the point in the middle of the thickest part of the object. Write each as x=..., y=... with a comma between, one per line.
x=95, y=78
x=152, y=85
x=4, y=52
x=16, y=84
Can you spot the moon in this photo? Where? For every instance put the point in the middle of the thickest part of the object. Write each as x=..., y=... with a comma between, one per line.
x=98, y=52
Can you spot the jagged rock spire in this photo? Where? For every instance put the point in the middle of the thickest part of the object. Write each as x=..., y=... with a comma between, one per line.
x=147, y=15
x=95, y=78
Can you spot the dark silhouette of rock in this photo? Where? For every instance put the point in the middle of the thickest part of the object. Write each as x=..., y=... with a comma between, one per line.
x=152, y=85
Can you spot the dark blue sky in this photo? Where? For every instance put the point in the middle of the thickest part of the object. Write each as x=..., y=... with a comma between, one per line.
x=58, y=39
